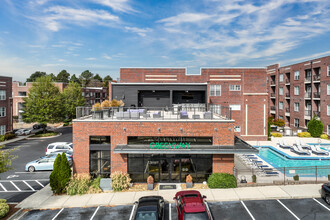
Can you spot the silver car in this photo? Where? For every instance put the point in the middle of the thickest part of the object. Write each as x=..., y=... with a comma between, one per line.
x=43, y=163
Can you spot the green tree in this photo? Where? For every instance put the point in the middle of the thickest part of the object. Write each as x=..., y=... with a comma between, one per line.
x=72, y=98
x=35, y=75
x=65, y=173
x=53, y=77
x=43, y=103
x=75, y=79
x=97, y=77
x=55, y=175
x=85, y=77
x=106, y=81
x=5, y=159
x=315, y=127
x=63, y=76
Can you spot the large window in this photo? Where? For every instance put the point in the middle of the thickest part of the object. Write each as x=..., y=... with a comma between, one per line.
x=296, y=90
x=328, y=89
x=215, y=108
x=21, y=93
x=99, y=152
x=2, y=129
x=328, y=110
x=296, y=106
x=2, y=111
x=235, y=107
x=281, y=77
x=296, y=75
x=235, y=87
x=328, y=130
x=143, y=140
x=328, y=70
x=215, y=90
x=281, y=91
x=280, y=105
x=2, y=94
x=99, y=140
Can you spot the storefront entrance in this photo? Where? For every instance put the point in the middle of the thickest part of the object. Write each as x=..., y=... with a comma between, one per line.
x=169, y=168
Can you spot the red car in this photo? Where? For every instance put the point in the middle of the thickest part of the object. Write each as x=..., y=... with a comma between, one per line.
x=190, y=205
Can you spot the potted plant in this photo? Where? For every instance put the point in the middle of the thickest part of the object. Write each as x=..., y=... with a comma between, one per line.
x=296, y=177
x=150, y=181
x=97, y=111
x=189, y=181
x=254, y=178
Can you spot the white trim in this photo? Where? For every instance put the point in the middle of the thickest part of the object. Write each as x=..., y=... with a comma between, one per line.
x=243, y=67
x=306, y=64
x=225, y=79
x=319, y=61
x=144, y=83
x=271, y=70
x=160, y=75
x=161, y=79
x=287, y=68
x=251, y=135
x=225, y=75
x=264, y=119
x=252, y=93
x=246, y=119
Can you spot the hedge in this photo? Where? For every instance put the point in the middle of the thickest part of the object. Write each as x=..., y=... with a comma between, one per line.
x=221, y=180
x=276, y=134
x=4, y=208
x=304, y=134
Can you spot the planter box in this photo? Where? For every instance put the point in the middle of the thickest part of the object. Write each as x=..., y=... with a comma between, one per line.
x=150, y=186
x=189, y=185
x=97, y=114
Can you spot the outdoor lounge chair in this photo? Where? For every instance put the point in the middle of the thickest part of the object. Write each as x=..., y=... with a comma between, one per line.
x=317, y=150
x=299, y=151
x=302, y=144
x=184, y=115
x=283, y=145
x=271, y=173
x=302, y=150
x=156, y=115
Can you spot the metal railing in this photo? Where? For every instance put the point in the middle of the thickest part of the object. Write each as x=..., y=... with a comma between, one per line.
x=317, y=77
x=308, y=112
x=272, y=94
x=287, y=95
x=308, y=78
x=317, y=113
x=287, y=81
x=273, y=108
x=177, y=112
x=287, y=110
x=317, y=95
x=272, y=82
x=308, y=95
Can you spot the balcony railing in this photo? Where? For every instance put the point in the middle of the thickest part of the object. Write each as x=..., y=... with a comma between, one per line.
x=287, y=110
x=287, y=81
x=272, y=82
x=308, y=112
x=317, y=113
x=308, y=78
x=317, y=95
x=308, y=95
x=273, y=108
x=287, y=94
x=317, y=77
x=272, y=94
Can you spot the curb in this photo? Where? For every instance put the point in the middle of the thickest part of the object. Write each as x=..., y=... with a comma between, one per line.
x=33, y=138
x=17, y=215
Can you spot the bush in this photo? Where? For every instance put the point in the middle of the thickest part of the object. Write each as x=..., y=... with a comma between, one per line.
x=79, y=184
x=270, y=120
x=324, y=136
x=3, y=200
x=96, y=107
x=9, y=136
x=2, y=138
x=254, y=178
x=296, y=177
x=221, y=180
x=269, y=128
x=315, y=127
x=4, y=209
x=120, y=181
x=276, y=134
x=304, y=134
x=279, y=122
x=329, y=177
x=61, y=174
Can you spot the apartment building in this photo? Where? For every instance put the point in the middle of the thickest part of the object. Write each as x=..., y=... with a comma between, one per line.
x=6, y=120
x=94, y=95
x=299, y=91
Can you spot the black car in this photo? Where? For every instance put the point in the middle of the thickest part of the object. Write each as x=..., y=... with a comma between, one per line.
x=150, y=208
x=325, y=192
x=38, y=126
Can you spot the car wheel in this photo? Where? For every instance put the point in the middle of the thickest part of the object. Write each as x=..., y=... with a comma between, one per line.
x=327, y=199
x=31, y=169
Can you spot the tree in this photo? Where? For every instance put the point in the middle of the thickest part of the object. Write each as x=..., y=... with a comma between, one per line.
x=53, y=77
x=106, y=81
x=85, y=77
x=43, y=103
x=315, y=127
x=35, y=75
x=54, y=176
x=98, y=77
x=72, y=98
x=5, y=159
x=75, y=79
x=65, y=173
x=63, y=76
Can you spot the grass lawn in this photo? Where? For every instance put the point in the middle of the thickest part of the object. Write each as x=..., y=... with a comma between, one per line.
x=47, y=134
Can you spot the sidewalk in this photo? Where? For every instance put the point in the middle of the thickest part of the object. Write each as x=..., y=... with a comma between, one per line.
x=19, y=138
x=43, y=199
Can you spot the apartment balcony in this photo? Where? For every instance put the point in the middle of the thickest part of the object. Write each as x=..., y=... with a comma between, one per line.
x=317, y=95
x=273, y=108
x=308, y=112
x=287, y=110
x=272, y=95
x=317, y=113
x=287, y=81
x=272, y=83
x=308, y=79
x=287, y=95
x=316, y=78
x=308, y=95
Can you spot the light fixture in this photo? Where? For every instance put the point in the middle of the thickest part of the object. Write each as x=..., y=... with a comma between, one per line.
x=124, y=129
x=229, y=129
x=215, y=129
x=159, y=129
x=181, y=129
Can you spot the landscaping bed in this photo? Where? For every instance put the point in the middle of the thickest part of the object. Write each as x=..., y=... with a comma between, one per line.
x=47, y=134
x=12, y=211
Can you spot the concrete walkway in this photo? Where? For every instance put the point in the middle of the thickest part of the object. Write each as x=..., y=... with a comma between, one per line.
x=44, y=199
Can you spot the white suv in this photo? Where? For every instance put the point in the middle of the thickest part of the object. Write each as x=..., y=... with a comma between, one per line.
x=59, y=146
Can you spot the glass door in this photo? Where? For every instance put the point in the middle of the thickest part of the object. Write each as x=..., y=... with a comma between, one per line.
x=187, y=167
x=165, y=170
x=175, y=170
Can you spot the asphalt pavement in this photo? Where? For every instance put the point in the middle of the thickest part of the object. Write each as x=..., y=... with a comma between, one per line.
x=253, y=209
x=17, y=184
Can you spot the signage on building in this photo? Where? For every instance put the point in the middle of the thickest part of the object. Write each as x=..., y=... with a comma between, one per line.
x=169, y=145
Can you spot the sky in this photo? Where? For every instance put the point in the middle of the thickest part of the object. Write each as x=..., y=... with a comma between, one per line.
x=104, y=35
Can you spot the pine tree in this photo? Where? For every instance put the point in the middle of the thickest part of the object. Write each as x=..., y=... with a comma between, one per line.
x=65, y=173
x=54, y=176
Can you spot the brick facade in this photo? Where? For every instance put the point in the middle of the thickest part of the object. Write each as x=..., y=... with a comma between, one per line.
x=7, y=120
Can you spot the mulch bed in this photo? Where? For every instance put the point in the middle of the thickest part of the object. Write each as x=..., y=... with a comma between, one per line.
x=12, y=211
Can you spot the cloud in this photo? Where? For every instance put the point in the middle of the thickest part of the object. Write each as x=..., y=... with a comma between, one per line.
x=105, y=56
x=90, y=58
x=301, y=59
x=57, y=16
x=184, y=18
x=117, y=5
x=140, y=31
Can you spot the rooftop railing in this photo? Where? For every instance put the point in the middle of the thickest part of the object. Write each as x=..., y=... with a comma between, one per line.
x=154, y=113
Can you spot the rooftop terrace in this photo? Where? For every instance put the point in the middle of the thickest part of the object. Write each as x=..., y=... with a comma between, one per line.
x=192, y=112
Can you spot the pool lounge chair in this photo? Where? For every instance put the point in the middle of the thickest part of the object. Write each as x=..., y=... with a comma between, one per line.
x=302, y=144
x=302, y=150
x=283, y=145
x=271, y=173
x=299, y=151
x=316, y=149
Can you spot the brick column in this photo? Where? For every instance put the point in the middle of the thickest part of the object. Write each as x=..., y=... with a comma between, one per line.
x=223, y=163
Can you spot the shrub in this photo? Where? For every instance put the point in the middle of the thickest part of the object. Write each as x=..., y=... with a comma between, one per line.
x=120, y=181
x=65, y=173
x=276, y=134
x=2, y=138
x=150, y=180
x=60, y=175
x=3, y=200
x=105, y=104
x=315, y=127
x=96, y=107
x=189, y=179
x=4, y=209
x=95, y=185
x=114, y=103
x=254, y=178
x=221, y=180
x=304, y=134
x=79, y=184
x=269, y=129
x=54, y=176
x=279, y=122
x=329, y=177
x=324, y=136
x=296, y=177
x=270, y=120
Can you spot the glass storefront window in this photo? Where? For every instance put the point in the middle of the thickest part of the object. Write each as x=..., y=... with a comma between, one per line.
x=99, y=140
x=100, y=162
x=142, y=140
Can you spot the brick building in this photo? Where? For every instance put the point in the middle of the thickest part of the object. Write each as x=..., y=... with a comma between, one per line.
x=6, y=120
x=173, y=124
x=298, y=91
x=94, y=94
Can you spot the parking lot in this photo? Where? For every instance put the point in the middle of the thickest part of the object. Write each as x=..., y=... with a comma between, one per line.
x=253, y=209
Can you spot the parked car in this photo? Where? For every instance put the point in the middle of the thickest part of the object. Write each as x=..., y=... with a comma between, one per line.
x=325, y=192
x=190, y=205
x=59, y=146
x=68, y=153
x=43, y=163
x=23, y=132
x=38, y=126
x=149, y=207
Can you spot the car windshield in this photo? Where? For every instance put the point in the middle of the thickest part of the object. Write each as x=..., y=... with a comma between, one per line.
x=196, y=216
x=50, y=146
x=146, y=215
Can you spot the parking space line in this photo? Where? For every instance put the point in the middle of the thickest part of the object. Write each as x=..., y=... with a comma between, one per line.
x=21, y=191
x=28, y=185
x=131, y=215
x=57, y=214
x=248, y=210
x=4, y=189
x=97, y=209
x=321, y=204
x=15, y=186
x=22, y=180
x=39, y=183
x=169, y=211
x=288, y=209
